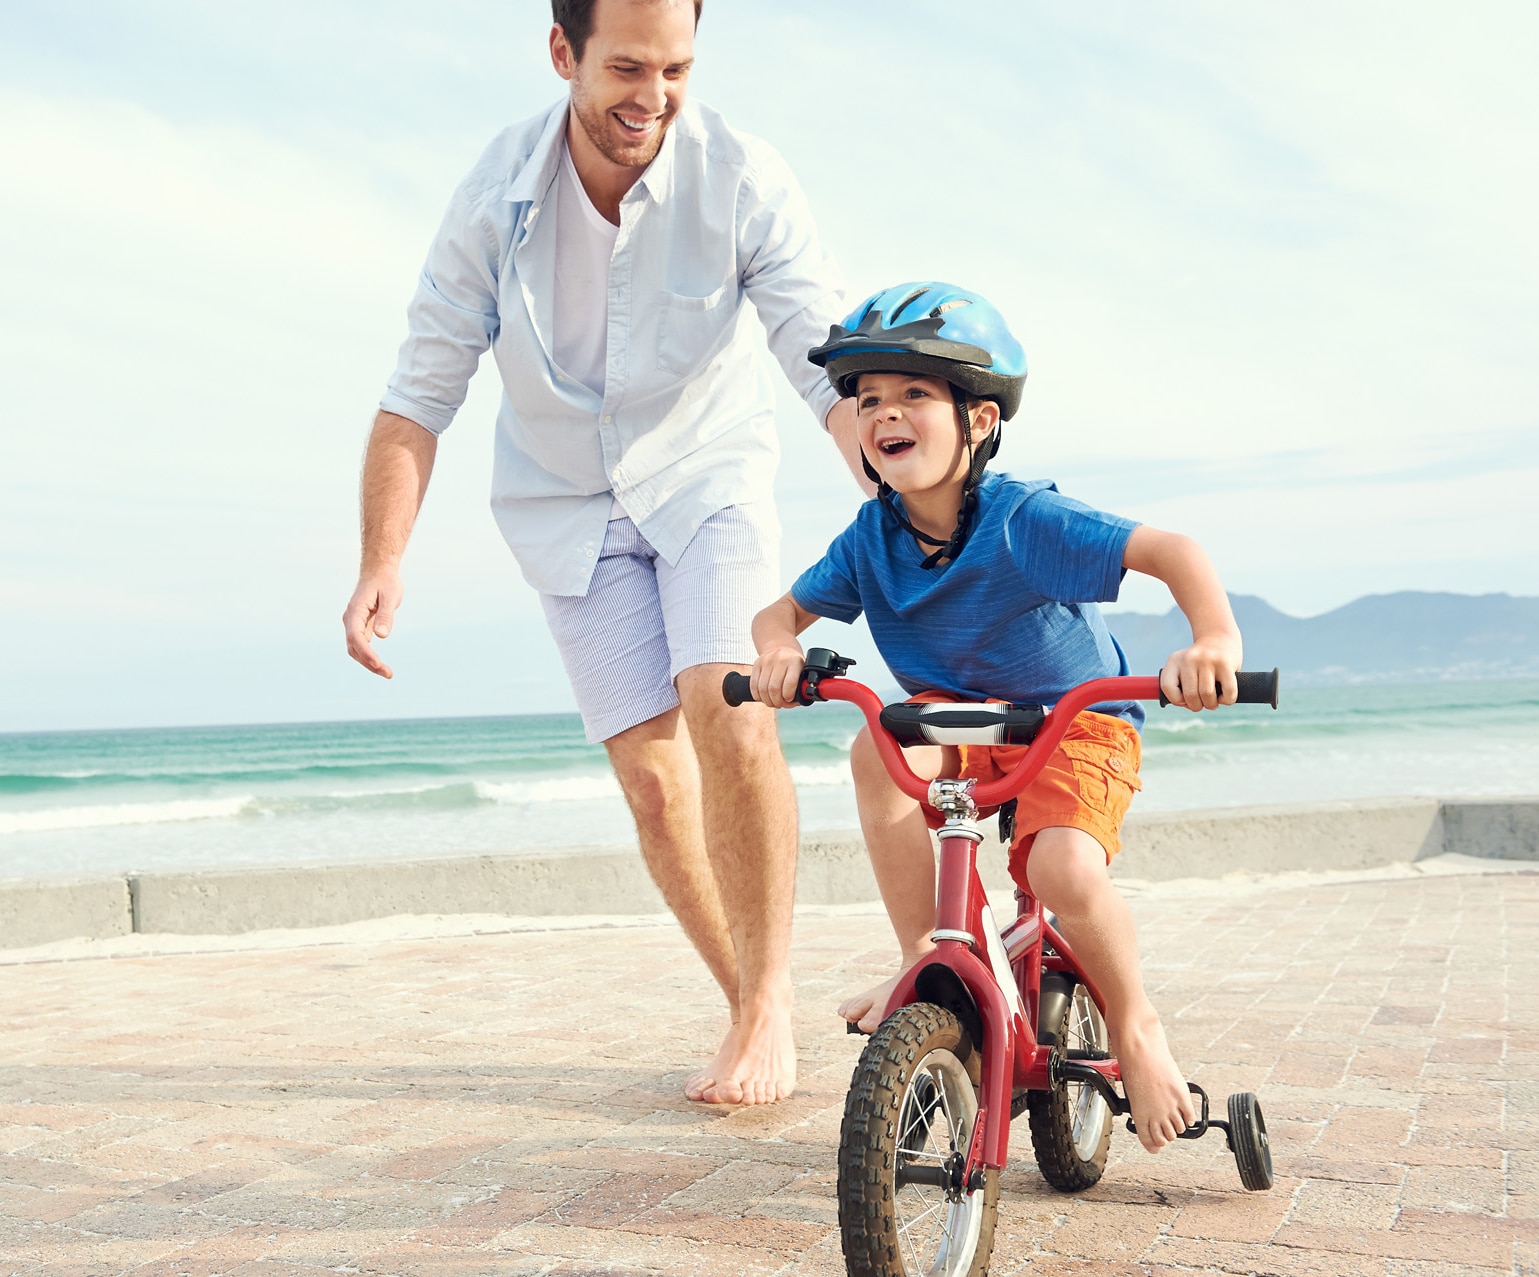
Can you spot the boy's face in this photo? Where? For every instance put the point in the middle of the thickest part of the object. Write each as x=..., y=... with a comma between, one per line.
x=908, y=428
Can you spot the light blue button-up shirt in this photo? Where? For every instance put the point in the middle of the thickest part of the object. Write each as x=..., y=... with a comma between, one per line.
x=685, y=426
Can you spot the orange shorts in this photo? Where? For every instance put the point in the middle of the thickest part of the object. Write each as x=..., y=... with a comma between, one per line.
x=1088, y=782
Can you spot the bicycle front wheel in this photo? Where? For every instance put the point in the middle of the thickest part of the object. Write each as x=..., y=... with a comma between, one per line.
x=904, y=1210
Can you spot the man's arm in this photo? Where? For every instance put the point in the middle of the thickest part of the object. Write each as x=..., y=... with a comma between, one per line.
x=396, y=468
x=1202, y=675
x=841, y=428
x=797, y=290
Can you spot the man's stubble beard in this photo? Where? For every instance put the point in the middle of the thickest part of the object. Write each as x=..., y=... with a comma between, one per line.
x=595, y=123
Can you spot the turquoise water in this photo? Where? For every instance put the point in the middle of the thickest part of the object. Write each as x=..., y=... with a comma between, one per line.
x=116, y=801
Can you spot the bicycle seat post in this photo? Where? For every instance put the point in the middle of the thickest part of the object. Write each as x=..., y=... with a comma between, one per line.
x=959, y=838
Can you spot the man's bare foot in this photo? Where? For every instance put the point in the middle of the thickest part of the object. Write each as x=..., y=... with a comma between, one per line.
x=756, y=1064
x=867, y=1010
x=1161, y=1105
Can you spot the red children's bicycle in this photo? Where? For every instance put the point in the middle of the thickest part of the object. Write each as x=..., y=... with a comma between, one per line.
x=992, y=1023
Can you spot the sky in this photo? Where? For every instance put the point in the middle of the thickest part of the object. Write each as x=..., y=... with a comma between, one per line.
x=1273, y=268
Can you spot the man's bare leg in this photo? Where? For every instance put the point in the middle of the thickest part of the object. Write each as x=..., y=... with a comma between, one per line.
x=1067, y=870
x=749, y=805
x=903, y=859
x=656, y=767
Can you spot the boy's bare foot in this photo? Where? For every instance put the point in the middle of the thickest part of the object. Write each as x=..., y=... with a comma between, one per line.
x=867, y=1010
x=1161, y=1105
x=755, y=1065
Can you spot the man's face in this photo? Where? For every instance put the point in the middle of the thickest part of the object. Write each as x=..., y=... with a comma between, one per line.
x=632, y=77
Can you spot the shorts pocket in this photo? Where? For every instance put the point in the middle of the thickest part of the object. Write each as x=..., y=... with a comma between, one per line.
x=692, y=329
x=1106, y=779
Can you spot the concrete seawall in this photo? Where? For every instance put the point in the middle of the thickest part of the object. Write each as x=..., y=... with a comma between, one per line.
x=832, y=870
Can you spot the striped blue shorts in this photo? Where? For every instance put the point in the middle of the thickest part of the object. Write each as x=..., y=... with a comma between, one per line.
x=643, y=620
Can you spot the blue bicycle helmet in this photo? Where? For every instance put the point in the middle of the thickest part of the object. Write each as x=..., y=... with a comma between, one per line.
x=930, y=329
x=933, y=330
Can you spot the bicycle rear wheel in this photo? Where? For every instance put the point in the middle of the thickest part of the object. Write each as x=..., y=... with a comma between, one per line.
x=1071, y=1124
x=908, y=1122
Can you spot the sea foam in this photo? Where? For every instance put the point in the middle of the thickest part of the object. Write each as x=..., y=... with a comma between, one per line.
x=106, y=815
x=557, y=789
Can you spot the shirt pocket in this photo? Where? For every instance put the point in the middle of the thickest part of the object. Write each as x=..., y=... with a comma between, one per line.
x=692, y=329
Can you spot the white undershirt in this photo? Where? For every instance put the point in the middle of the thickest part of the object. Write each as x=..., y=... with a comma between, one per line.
x=585, y=241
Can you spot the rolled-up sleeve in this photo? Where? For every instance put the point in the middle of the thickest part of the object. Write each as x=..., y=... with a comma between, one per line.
x=792, y=280
x=452, y=318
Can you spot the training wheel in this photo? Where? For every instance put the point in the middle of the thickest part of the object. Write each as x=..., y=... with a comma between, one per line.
x=1247, y=1137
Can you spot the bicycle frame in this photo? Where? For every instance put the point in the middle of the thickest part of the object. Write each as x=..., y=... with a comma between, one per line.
x=976, y=970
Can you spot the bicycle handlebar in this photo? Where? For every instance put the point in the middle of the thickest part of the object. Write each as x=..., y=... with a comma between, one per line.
x=736, y=689
x=1255, y=688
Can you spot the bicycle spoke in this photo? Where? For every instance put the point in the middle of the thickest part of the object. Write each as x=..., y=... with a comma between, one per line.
x=924, y=1214
x=906, y=1230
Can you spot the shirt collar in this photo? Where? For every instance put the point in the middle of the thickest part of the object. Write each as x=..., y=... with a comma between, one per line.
x=657, y=177
x=539, y=170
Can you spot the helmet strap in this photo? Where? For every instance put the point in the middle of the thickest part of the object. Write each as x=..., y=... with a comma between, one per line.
x=871, y=471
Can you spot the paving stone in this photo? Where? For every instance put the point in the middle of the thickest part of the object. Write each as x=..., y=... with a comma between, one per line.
x=448, y=1107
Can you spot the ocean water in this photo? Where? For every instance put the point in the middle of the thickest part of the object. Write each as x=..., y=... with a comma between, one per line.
x=88, y=803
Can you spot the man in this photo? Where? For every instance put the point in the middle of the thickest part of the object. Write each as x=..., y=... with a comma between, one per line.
x=604, y=252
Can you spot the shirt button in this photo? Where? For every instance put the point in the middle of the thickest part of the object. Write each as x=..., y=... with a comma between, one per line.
x=589, y=553
x=607, y=418
x=1115, y=764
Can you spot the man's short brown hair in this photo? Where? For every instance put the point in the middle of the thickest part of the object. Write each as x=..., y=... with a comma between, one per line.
x=575, y=17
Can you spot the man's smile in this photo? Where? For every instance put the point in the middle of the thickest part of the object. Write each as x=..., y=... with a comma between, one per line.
x=638, y=126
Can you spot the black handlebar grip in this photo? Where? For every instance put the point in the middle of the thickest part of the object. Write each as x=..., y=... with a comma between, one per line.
x=1256, y=687
x=735, y=688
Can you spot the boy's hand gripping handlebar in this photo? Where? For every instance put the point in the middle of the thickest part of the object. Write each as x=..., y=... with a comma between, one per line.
x=977, y=724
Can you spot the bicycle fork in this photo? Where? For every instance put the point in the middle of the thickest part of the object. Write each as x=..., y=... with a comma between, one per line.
x=972, y=974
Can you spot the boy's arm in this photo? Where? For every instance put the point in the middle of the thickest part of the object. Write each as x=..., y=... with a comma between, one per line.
x=1202, y=675
x=779, y=668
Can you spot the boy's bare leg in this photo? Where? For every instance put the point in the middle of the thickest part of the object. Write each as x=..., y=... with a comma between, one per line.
x=1067, y=871
x=903, y=860
x=749, y=807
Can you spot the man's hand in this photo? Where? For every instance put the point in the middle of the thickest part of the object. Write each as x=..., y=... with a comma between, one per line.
x=1202, y=676
x=777, y=674
x=396, y=467
x=370, y=614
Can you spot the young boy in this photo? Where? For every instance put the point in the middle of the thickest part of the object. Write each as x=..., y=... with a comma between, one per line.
x=980, y=586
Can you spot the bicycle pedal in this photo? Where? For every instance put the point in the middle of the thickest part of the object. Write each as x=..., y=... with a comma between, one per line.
x=1203, y=1124
x=851, y=1027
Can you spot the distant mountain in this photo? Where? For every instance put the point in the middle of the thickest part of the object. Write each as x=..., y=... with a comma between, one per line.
x=1378, y=638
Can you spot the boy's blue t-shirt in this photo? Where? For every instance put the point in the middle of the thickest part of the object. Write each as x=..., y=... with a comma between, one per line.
x=1013, y=616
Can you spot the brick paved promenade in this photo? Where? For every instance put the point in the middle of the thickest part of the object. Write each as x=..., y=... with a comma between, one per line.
x=510, y=1103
